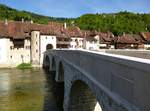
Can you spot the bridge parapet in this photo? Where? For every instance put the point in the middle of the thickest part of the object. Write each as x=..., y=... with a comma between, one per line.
x=125, y=80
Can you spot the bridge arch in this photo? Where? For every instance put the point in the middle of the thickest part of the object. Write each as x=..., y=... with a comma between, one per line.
x=82, y=98
x=46, y=62
x=53, y=64
x=61, y=72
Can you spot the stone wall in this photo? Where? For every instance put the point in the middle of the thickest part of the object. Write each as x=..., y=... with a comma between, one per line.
x=118, y=83
x=13, y=56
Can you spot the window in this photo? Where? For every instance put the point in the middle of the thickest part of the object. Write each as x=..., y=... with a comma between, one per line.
x=11, y=47
x=28, y=47
x=36, y=51
x=46, y=37
x=11, y=56
x=36, y=43
x=36, y=35
x=76, y=40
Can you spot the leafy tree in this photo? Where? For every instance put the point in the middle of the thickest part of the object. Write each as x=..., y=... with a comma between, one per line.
x=119, y=23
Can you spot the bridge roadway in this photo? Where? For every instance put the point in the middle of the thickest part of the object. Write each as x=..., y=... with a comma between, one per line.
x=97, y=81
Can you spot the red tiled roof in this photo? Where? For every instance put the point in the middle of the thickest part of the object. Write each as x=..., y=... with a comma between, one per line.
x=73, y=32
x=19, y=30
x=12, y=29
x=146, y=35
x=105, y=37
x=126, y=38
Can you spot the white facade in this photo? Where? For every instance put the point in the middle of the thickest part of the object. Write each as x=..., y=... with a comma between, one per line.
x=31, y=50
x=146, y=46
x=10, y=55
x=35, y=52
x=92, y=45
x=44, y=41
x=19, y=55
x=76, y=43
x=3, y=51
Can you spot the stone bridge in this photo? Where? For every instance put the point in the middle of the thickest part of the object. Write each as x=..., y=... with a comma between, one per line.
x=96, y=81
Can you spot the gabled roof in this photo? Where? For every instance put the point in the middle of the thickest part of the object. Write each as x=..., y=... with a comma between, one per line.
x=126, y=38
x=21, y=30
x=106, y=37
x=145, y=36
x=12, y=30
x=73, y=32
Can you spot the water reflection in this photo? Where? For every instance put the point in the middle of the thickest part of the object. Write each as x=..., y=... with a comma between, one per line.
x=4, y=84
x=28, y=90
x=53, y=100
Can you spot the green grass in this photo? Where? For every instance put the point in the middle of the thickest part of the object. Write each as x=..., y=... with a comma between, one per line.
x=148, y=48
x=24, y=66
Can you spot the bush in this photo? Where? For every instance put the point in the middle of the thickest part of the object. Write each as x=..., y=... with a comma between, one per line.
x=148, y=48
x=24, y=66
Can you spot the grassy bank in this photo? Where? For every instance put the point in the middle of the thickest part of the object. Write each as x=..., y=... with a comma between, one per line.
x=24, y=66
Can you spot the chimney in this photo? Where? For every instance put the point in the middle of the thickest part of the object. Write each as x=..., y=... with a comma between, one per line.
x=65, y=25
x=6, y=22
x=31, y=21
x=72, y=23
x=22, y=20
x=124, y=33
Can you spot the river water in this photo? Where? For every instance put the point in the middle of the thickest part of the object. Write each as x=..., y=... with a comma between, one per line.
x=27, y=90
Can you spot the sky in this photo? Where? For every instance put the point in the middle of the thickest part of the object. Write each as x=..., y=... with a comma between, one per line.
x=76, y=8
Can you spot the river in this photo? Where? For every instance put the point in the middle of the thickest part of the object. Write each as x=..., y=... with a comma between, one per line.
x=27, y=90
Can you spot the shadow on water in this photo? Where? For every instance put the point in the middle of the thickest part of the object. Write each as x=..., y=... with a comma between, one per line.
x=53, y=100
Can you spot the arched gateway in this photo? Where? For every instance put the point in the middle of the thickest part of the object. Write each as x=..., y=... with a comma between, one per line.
x=49, y=46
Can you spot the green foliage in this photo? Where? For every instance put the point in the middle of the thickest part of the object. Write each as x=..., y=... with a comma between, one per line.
x=122, y=22
x=119, y=23
x=13, y=14
x=148, y=48
x=24, y=66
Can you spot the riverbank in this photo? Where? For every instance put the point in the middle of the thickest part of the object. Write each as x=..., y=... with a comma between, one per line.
x=10, y=66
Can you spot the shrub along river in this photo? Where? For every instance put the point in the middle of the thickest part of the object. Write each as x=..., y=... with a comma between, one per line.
x=28, y=90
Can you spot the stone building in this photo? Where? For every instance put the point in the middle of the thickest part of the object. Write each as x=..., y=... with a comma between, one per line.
x=126, y=41
x=98, y=40
x=76, y=37
x=91, y=41
x=146, y=38
x=24, y=42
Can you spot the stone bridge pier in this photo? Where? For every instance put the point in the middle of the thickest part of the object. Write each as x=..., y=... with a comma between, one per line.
x=100, y=82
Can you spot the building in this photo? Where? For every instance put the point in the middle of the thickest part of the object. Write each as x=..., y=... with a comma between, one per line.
x=99, y=40
x=126, y=41
x=106, y=40
x=91, y=41
x=24, y=42
x=146, y=38
x=76, y=37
